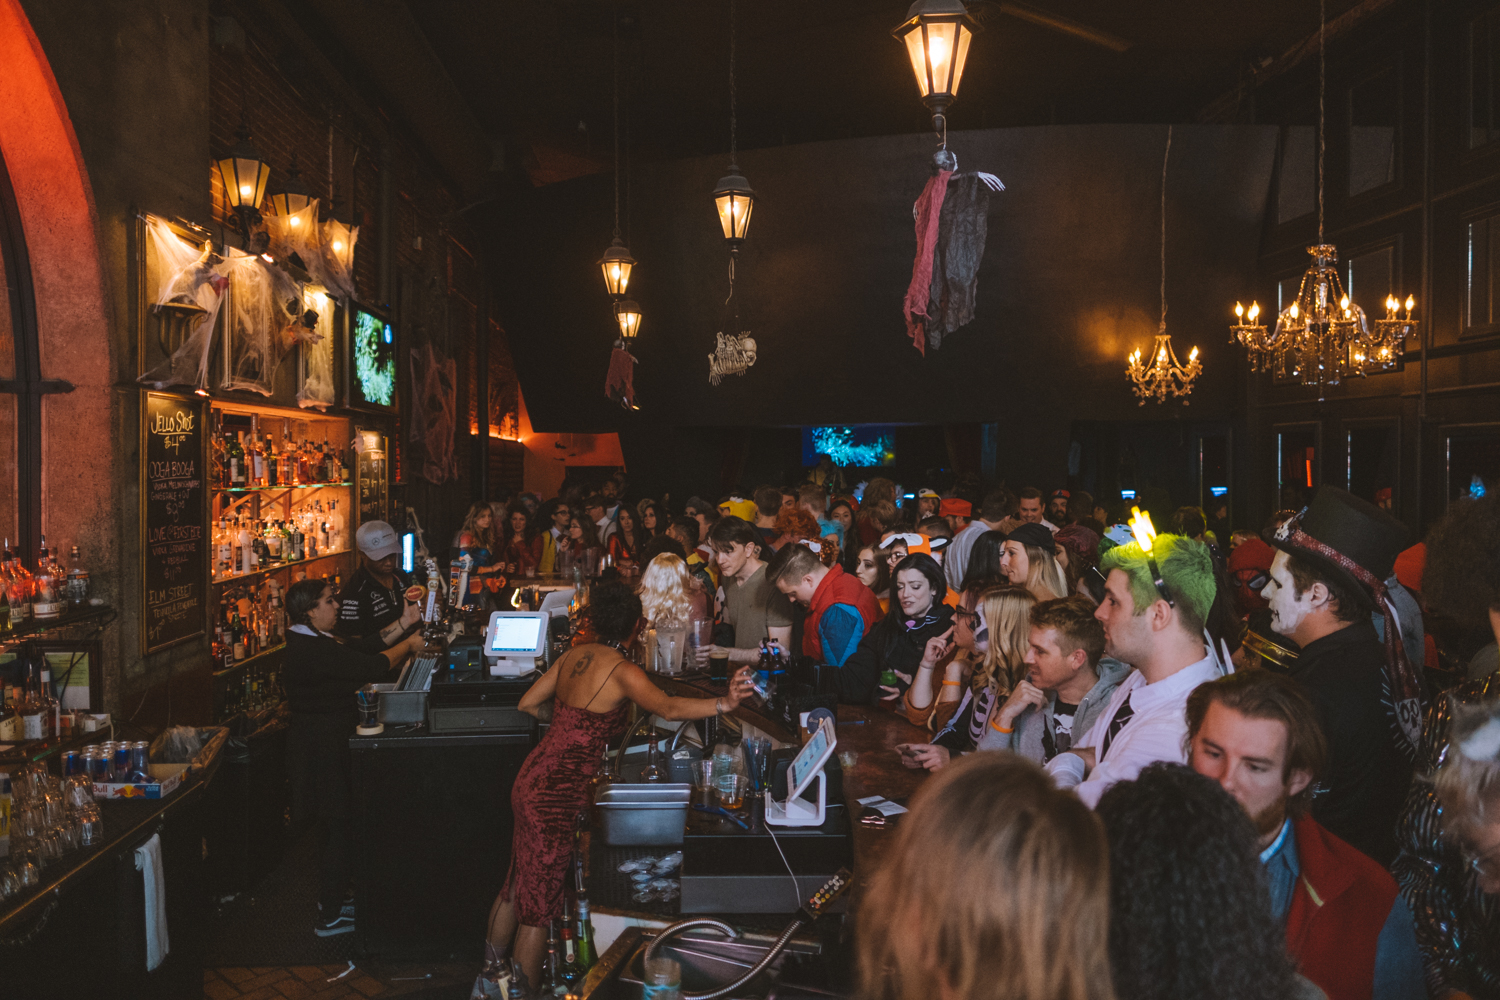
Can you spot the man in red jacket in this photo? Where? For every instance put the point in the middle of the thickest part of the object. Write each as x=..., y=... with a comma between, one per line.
x=840, y=609
x=1348, y=929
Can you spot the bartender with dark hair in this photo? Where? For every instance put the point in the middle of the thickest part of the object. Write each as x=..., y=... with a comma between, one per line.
x=379, y=599
x=322, y=675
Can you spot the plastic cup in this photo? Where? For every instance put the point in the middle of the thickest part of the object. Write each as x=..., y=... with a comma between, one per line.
x=731, y=790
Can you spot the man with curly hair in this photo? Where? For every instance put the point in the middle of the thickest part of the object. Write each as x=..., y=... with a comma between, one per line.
x=1443, y=869
x=1155, y=604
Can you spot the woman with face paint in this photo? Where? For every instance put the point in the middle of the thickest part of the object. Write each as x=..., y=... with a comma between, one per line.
x=1001, y=636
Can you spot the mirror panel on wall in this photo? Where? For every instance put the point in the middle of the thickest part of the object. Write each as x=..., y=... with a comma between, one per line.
x=1296, y=193
x=1370, y=277
x=1297, y=471
x=1473, y=461
x=1482, y=308
x=1374, y=117
x=1372, y=462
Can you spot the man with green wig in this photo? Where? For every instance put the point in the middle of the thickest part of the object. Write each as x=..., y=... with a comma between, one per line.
x=1156, y=599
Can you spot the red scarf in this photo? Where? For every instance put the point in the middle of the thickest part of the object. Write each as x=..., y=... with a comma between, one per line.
x=928, y=207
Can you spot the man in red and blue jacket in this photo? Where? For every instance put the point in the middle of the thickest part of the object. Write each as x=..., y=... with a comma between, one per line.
x=840, y=609
x=1347, y=928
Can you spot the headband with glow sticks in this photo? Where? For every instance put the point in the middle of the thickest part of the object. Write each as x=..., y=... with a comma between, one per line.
x=1145, y=537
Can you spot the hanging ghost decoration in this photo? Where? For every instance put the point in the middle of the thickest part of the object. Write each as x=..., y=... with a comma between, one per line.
x=951, y=225
x=619, y=383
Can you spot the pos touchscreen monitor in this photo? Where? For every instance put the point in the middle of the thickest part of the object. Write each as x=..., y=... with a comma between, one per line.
x=513, y=641
x=806, y=768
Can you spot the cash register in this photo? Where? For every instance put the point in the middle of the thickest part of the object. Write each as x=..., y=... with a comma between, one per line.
x=482, y=678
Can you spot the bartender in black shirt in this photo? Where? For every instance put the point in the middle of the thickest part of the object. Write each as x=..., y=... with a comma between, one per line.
x=379, y=598
x=322, y=675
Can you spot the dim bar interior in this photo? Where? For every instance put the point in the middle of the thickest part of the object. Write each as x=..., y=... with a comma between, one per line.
x=867, y=601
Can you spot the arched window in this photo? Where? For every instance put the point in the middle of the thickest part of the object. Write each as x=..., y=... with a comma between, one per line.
x=21, y=386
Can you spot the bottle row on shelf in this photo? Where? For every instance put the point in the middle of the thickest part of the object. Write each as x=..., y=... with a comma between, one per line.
x=45, y=594
x=251, y=459
x=246, y=544
x=32, y=710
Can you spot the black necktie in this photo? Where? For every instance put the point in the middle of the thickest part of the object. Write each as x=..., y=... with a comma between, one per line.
x=1116, y=724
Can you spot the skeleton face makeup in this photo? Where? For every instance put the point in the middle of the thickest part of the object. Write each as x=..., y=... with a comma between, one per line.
x=1287, y=609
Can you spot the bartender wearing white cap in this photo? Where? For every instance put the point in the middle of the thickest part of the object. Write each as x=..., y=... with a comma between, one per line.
x=379, y=598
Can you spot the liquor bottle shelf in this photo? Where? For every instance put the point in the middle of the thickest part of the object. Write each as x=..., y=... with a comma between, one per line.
x=250, y=660
x=34, y=629
x=241, y=577
x=283, y=486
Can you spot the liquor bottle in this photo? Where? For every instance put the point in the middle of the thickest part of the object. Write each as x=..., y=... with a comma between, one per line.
x=5, y=623
x=273, y=467
x=79, y=588
x=587, y=953
x=237, y=635
x=48, y=602
x=219, y=455
x=237, y=471
x=572, y=974
x=244, y=548
x=553, y=984
x=49, y=703
x=10, y=719
x=256, y=460
x=288, y=471
x=33, y=711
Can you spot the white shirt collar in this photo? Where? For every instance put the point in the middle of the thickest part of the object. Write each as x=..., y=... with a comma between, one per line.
x=309, y=630
x=1144, y=696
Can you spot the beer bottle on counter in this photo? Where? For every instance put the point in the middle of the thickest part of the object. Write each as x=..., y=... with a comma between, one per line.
x=552, y=983
x=572, y=972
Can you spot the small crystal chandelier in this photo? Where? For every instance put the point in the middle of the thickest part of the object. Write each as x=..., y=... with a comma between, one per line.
x=1322, y=337
x=1165, y=375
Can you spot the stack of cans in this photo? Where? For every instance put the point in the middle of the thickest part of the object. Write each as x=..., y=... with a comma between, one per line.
x=111, y=762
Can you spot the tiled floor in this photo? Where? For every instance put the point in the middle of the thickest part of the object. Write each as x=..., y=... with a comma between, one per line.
x=301, y=981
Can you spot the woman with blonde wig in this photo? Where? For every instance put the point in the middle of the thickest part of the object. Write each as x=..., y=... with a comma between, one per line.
x=1001, y=634
x=669, y=598
x=997, y=888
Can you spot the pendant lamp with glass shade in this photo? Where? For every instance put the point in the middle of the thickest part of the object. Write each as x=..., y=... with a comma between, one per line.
x=293, y=196
x=733, y=197
x=937, y=34
x=616, y=264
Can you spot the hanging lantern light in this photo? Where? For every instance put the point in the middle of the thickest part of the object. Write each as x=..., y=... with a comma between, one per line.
x=734, y=200
x=616, y=264
x=937, y=34
x=244, y=173
x=628, y=315
x=293, y=196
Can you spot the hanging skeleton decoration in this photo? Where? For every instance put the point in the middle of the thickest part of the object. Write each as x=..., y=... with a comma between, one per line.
x=619, y=383
x=734, y=355
x=951, y=221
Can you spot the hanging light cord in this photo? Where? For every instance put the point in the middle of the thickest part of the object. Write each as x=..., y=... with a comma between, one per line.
x=617, y=124
x=1322, y=90
x=733, y=92
x=1167, y=153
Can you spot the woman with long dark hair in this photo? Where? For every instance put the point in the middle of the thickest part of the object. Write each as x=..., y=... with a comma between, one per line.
x=585, y=695
x=321, y=675
x=579, y=547
x=983, y=569
x=873, y=571
x=627, y=541
x=653, y=522
x=1190, y=915
x=887, y=659
x=523, y=548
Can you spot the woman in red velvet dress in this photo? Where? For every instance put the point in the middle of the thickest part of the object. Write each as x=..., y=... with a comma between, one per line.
x=588, y=691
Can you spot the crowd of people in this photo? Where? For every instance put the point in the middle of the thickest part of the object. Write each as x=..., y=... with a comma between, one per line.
x=1200, y=763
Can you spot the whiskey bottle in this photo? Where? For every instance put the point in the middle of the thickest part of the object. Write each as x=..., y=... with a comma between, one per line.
x=48, y=602
x=79, y=589
x=238, y=477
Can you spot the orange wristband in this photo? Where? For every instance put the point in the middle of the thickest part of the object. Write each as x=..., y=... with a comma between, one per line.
x=995, y=725
x=951, y=684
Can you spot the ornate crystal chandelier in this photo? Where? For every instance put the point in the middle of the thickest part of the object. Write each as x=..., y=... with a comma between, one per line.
x=1164, y=376
x=1321, y=336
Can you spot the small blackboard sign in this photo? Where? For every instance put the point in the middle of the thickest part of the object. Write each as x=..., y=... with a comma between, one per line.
x=371, y=473
x=174, y=546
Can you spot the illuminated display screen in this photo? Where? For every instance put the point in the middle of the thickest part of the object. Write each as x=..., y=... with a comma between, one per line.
x=849, y=446
x=374, y=359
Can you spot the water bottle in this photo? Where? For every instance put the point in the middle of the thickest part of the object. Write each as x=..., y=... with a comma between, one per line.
x=663, y=980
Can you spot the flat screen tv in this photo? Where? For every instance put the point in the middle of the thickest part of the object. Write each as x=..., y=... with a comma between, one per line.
x=372, y=363
x=859, y=446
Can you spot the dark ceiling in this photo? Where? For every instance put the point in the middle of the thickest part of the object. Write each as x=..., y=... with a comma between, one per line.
x=538, y=74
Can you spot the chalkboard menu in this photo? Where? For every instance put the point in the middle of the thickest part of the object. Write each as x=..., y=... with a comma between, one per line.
x=174, y=549
x=371, y=473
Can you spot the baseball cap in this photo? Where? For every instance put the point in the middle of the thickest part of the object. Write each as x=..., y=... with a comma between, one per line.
x=377, y=540
x=1061, y=493
x=953, y=505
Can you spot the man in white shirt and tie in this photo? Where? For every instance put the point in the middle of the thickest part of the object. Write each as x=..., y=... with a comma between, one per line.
x=1155, y=603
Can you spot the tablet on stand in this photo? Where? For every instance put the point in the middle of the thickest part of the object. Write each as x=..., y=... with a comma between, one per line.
x=806, y=768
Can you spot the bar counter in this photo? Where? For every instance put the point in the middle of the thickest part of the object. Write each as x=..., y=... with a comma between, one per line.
x=871, y=733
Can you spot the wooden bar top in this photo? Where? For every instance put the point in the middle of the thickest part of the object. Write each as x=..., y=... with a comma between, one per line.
x=870, y=733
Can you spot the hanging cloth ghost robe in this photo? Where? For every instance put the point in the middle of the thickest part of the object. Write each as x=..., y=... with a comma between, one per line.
x=619, y=382
x=962, y=226
x=928, y=208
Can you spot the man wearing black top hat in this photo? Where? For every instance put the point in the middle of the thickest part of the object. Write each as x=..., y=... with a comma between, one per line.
x=1327, y=577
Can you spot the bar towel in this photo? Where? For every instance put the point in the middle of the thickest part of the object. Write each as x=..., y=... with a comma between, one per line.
x=148, y=863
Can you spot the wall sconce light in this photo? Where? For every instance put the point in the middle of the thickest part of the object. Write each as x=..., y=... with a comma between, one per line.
x=244, y=173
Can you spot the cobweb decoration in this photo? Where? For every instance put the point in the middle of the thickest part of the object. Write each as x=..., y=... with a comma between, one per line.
x=193, y=276
x=336, y=258
x=300, y=234
x=263, y=320
x=317, y=352
x=434, y=413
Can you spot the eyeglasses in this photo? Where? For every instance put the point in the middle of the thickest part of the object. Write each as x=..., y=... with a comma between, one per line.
x=967, y=615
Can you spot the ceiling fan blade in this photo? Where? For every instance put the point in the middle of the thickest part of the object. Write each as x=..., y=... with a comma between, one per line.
x=1056, y=22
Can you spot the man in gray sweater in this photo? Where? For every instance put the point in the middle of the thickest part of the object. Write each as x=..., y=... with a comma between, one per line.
x=1068, y=683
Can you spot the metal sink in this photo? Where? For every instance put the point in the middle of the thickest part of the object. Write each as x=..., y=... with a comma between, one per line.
x=710, y=961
